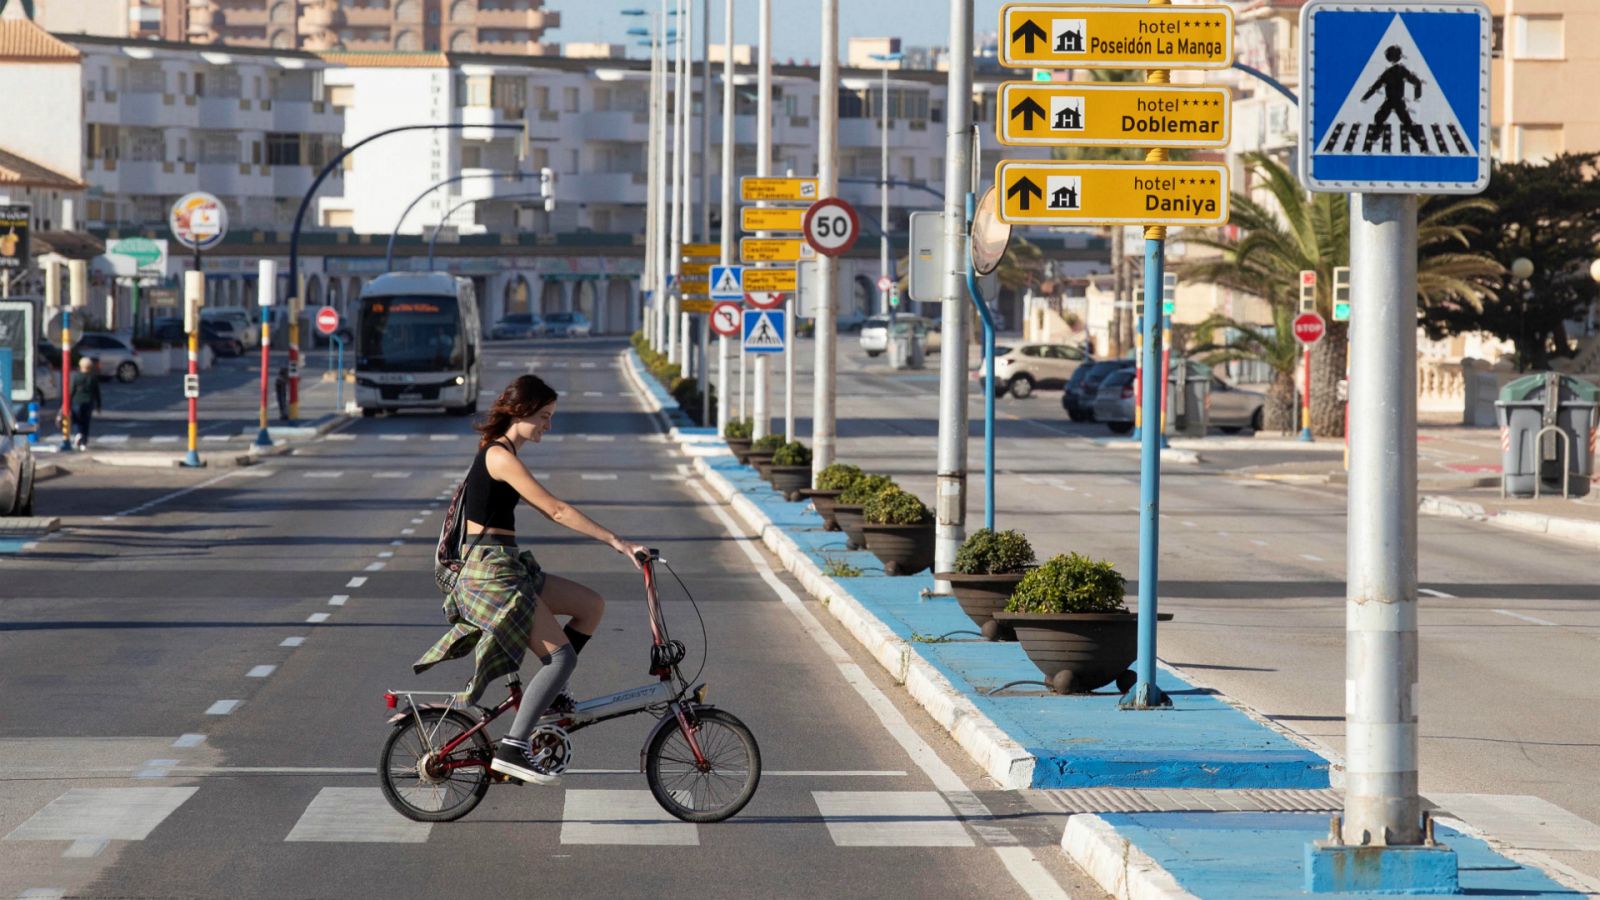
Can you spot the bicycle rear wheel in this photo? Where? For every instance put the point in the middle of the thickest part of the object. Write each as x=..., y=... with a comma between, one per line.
x=418, y=783
x=712, y=792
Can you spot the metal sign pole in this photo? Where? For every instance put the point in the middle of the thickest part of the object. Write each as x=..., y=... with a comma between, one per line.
x=266, y=288
x=759, y=404
x=1381, y=802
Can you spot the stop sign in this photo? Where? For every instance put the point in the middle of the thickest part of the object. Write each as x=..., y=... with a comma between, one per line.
x=1309, y=328
x=327, y=320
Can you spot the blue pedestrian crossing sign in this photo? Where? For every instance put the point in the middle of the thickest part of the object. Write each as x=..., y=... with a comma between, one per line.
x=763, y=330
x=727, y=282
x=1396, y=97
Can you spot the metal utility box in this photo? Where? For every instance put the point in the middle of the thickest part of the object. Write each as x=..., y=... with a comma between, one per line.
x=1188, y=393
x=1547, y=434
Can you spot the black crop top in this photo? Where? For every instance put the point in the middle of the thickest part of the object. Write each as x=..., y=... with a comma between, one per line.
x=490, y=503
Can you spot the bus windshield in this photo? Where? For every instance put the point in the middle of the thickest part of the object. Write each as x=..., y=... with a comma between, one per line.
x=410, y=334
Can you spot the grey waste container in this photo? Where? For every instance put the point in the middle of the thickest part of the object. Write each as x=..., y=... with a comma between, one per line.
x=1534, y=412
x=905, y=348
x=1188, y=392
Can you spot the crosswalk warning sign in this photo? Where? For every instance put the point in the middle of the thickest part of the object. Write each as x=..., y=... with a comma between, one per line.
x=727, y=282
x=763, y=330
x=1396, y=96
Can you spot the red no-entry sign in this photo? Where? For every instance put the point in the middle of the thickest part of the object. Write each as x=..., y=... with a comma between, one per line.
x=327, y=320
x=1309, y=328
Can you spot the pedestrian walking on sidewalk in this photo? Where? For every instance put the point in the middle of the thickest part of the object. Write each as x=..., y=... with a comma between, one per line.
x=504, y=602
x=85, y=400
x=281, y=386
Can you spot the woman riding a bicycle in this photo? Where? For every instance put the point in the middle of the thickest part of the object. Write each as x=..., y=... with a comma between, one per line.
x=504, y=603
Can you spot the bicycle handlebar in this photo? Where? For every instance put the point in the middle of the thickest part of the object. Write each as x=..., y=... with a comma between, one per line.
x=651, y=556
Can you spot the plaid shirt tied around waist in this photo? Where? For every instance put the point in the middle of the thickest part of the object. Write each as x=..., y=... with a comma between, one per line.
x=490, y=615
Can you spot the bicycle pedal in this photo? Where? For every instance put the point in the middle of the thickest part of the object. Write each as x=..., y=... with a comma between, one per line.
x=503, y=778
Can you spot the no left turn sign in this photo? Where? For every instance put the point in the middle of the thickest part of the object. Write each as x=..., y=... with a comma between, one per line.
x=831, y=226
x=725, y=319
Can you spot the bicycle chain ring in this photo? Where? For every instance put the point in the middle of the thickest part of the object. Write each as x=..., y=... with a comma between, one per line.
x=552, y=749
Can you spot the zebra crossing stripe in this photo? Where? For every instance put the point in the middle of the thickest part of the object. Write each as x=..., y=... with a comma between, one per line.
x=622, y=817
x=890, y=819
x=103, y=814
x=355, y=815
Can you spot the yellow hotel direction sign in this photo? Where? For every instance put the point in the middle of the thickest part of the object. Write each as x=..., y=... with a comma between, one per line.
x=771, y=218
x=690, y=286
x=753, y=250
x=694, y=306
x=1046, y=192
x=803, y=190
x=1066, y=114
x=769, y=281
x=702, y=251
x=695, y=269
x=1073, y=36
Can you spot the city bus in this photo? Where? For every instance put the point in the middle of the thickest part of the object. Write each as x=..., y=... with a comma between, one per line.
x=418, y=344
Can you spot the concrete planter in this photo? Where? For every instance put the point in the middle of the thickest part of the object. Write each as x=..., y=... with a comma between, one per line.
x=755, y=460
x=850, y=519
x=789, y=480
x=903, y=549
x=824, y=501
x=981, y=596
x=740, y=448
x=1079, y=652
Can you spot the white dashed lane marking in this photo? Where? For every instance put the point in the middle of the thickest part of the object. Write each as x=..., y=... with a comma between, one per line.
x=223, y=707
x=1311, y=557
x=356, y=581
x=292, y=642
x=599, y=476
x=375, y=567
x=1433, y=593
x=391, y=474
x=338, y=599
x=260, y=671
x=316, y=618
x=356, y=815
x=189, y=740
x=1533, y=619
x=324, y=473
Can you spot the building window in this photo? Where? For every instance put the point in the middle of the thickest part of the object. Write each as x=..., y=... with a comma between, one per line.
x=283, y=149
x=1538, y=37
x=1538, y=143
x=471, y=157
x=572, y=162
x=569, y=99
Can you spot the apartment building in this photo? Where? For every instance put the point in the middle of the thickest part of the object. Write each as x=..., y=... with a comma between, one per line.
x=515, y=27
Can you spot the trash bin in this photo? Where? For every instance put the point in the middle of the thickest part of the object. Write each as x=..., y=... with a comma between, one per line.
x=905, y=350
x=1188, y=393
x=1547, y=432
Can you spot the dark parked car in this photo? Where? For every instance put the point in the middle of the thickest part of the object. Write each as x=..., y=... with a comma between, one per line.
x=567, y=324
x=216, y=335
x=1113, y=401
x=16, y=465
x=518, y=326
x=1077, y=398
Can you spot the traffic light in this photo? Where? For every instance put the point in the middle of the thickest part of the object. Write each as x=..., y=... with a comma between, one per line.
x=1341, y=293
x=547, y=187
x=1169, y=292
x=1308, y=290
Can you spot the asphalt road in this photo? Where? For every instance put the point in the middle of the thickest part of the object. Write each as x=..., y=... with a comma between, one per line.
x=191, y=696
x=1255, y=574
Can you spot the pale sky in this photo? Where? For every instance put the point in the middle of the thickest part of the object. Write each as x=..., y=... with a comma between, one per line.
x=796, y=24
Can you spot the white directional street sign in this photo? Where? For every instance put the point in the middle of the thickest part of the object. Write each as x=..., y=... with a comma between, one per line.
x=727, y=282
x=763, y=330
x=1396, y=96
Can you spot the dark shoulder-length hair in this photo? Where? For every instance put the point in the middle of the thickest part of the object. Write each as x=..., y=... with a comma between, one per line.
x=523, y=397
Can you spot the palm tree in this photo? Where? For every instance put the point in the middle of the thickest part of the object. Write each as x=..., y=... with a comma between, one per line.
x=1298, y=230
x=1273, y=345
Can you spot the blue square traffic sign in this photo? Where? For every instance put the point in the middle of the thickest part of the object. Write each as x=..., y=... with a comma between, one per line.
x=763, y=330
x=1396, y=96
x=727, y=282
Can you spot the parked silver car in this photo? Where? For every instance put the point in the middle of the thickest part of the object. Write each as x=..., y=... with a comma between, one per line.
x=1113, y=401
x=16, y=464
x=567, y=324
x=1028, y=366
x=875, y=332
x=113, y=355
x=1229, y=409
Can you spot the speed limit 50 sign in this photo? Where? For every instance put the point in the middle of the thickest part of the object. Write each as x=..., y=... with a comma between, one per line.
x=831, y=226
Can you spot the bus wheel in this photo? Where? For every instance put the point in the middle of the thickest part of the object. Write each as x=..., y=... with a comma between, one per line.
x=368, y=412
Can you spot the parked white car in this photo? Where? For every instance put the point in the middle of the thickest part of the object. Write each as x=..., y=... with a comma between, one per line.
x=246, y=328
x=875, y=332
x=113, y=355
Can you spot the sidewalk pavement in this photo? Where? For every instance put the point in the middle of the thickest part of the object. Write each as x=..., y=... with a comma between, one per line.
x=1029, y=738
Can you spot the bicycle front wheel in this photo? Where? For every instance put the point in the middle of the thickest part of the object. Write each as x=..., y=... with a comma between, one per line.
x=421, y=783
x=713, y=791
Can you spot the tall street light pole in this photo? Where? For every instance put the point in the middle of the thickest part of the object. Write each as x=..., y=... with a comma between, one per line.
x=950, y=504
x=664, y=269
x=648, y=277
x=822, y=421
x=727, y=197
x=674, y=228
x=763, y=417
x=883, y=191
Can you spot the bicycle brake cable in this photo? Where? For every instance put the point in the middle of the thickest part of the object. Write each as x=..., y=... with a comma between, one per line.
x=705, y=652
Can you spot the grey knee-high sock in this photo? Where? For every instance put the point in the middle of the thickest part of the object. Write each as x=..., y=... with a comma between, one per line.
x=541, y=690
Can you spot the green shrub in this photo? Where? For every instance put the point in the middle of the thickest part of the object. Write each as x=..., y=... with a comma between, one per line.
x=768, y=444
x=1070, y=583
x=893, y=506
x=793, y=453
x=837, y=477
x=863, y=488
x=738, y=429
x=986, y=552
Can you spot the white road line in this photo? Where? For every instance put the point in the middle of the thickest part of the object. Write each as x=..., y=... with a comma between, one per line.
x=416, y=521
x=622, y=817
x=1534, y=619
x=324, y=473
x=260, y=671
x=593, y=394
x=1188, y=524
x=316, y=618
x=165, y=439
x=599, y=476
x=397, y=543
x=668, y=476
x=394, y=437
x=223, y=707
x=424, y=512
x=87, y=816
x=1311, y=557
x=338, y=599
x=150, y=504
x=339, y=437
x=587, y=365
x=356, y=581
x=292, y=642
x=391, y=474
x=552, y=439
x=189, y=740
x=386, y=554
x=890, y=819
x=1031, y=875
x=600, y=438
x=355, y=815
x=112, y=439
x=443, y=437
x=375, y=566
x=1523, y=821
x=1433, y=593
x=1258, y=543
x=408, y=531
